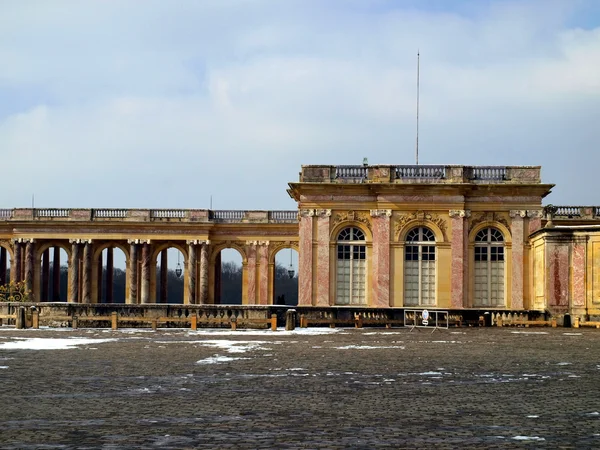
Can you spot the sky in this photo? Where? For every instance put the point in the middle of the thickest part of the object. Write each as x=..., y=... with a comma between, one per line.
x=162, y=104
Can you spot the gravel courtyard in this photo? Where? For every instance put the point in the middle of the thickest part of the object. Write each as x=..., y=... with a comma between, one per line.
x=314, y=388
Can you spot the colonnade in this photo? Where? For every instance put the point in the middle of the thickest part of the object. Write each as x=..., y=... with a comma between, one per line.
x=88, y=274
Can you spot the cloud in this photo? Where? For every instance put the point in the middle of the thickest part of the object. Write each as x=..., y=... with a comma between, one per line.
x=111, y=104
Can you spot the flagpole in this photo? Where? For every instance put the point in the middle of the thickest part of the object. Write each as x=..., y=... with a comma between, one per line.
x=417, y=146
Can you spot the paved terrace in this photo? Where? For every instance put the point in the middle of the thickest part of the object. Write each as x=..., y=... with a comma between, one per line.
x=470, y=388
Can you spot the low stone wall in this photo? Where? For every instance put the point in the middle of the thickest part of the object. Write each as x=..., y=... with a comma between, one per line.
x=98, y=315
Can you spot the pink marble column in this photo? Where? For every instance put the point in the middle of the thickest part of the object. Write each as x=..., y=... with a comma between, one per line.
x=29, y=268
x=74, y=273
x=133, y=271
x=203, y=296
x=263, y=272
x=15, y=264
x=380, y=263
x=86, y=273
x=578, y=256
x=323, y=272
x=251, y=272
x=145, y=284
x=557, y=272
x=517, y=230
x=305, y=257
x=535, y=220
x=192, y=271
x=458, y=248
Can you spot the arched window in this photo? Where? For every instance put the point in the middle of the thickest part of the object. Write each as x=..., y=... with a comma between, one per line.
x=419, y=267
x=489, y=268
x=351, y=267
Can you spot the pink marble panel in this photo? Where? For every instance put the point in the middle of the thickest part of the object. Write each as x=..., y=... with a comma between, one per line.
x=323, y=261
x=263, y=274
x=251, y=273
x=420, y=198
x=535, y=223
x=579, y=274
x=557, y=270
x=517, y=262
x=305, y=261
x=457, y=286
x=341, y=198
x=380, y=264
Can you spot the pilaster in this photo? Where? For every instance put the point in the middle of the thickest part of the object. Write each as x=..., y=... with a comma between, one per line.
x=517, y=230
x=380, y=262
x=323, y=272
x=578, y=282
x=305, y=257
x=458, y=248
x=535, y=219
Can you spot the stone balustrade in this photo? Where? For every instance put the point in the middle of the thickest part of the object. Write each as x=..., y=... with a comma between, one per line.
x=447, y=174
x=146, y=215
x=572, y=212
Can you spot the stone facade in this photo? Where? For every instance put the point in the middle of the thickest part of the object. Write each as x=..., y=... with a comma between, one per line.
x=450, y=237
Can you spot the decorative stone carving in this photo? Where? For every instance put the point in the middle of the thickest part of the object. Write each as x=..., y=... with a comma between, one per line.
x=381, y=212
x=138, y=241
x=306, y=213
x=352, y=216
x=518, y=213
x=487, y=217
x=403, y=219
x=459, y=213
x=322, y=212
x=535, y=213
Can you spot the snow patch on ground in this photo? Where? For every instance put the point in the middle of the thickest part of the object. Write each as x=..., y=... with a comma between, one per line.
x=529, y=332
x=217, y=359
x=49, y=343
x=368, y=347
x=528, y=438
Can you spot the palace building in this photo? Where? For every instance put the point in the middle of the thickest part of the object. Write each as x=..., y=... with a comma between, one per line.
x=370, y=236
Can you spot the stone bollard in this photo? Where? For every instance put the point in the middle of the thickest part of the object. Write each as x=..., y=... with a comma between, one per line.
x=20, y=318
x=576, y=322
x=290, y=320
x=35, y=318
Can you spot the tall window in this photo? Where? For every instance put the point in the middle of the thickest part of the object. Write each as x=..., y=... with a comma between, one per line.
x=489, y=268
x=351, y=267
x=419, y=267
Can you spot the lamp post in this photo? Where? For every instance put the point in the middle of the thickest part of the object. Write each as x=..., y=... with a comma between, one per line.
x=291, y=272
x=178, y=269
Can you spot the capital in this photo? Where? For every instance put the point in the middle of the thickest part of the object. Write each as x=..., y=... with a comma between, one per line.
x=535, y=213
x=251, y=242
x=192, y=242
x=306, y=212
x=459, y=213
x=265, y=243
x=381, y=213
x=515, y=213
x=138, y=241
x=323, y=212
